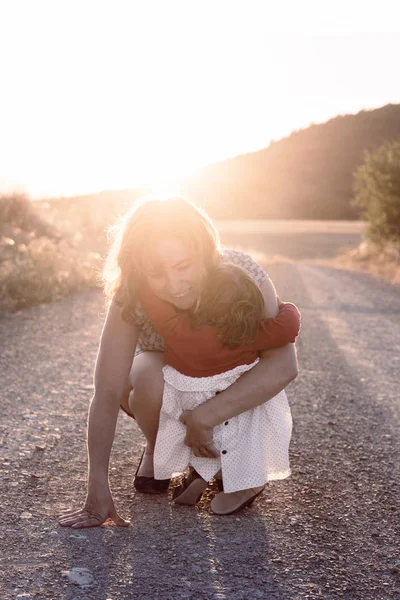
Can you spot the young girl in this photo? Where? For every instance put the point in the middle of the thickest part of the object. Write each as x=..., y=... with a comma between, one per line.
x=206, y=350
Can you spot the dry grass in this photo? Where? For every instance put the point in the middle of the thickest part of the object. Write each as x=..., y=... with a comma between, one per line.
x=39, y=262
x=85, y=219
x=383, y=263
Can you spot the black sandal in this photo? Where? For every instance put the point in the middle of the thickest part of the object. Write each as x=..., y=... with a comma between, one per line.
x=149, y=485
x=220, y=484
x=190, y=490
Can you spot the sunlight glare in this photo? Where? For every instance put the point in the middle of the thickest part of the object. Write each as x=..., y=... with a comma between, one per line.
x=158, y=90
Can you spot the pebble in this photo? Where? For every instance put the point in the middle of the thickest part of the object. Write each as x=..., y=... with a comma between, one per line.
x=78, y=536
x=26, y=515
x=79, y=576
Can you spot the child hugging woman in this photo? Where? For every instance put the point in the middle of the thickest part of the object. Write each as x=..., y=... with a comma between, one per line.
x=167, y=251
x=206, y=350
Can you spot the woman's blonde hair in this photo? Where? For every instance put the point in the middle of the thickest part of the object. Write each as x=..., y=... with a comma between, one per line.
x=232, y=302
x=149, y=220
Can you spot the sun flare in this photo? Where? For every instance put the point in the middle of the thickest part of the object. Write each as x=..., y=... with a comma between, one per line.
x=148, y=92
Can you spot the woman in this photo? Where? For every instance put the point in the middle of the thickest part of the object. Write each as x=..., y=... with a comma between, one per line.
x=173, y=245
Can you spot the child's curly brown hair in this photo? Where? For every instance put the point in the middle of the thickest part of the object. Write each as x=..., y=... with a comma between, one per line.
x=232, y=302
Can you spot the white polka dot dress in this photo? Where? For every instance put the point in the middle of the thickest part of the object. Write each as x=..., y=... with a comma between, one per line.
x=253, y=446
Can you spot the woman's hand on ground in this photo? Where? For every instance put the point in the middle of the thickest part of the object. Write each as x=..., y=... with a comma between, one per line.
x=99, y=507
x=198, y=436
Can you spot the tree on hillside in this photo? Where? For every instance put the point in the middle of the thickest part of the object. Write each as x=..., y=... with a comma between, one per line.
x=377, y=193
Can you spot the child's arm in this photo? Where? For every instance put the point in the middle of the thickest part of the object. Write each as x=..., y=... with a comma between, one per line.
x=275, y=333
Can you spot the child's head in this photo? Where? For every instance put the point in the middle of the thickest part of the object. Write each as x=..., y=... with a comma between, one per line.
x=232, y=302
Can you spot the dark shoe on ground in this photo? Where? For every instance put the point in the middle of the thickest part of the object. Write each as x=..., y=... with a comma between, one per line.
x=149, y=485
x=220, y=484
x=227, y=504
x=190, y=490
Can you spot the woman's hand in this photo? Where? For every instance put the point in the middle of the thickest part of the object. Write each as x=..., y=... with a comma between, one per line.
x=114, y=361
x=198, y=435
x=99, y=507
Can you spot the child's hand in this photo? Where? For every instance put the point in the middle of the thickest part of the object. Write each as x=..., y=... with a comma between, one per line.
x=198, y=436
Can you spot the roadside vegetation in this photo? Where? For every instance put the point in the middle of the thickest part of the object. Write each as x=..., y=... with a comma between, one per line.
x=383, y=263
x=40, y=261
x=377, y=194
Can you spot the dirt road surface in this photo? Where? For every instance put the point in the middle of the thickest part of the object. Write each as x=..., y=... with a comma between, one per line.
x=329, y=531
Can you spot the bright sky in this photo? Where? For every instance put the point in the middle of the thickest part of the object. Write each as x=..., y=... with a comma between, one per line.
x=111, y=94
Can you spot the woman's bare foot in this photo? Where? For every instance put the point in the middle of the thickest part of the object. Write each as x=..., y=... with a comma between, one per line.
x=226, y=504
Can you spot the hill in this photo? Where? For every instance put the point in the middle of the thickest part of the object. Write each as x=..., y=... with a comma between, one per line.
x=307, y=175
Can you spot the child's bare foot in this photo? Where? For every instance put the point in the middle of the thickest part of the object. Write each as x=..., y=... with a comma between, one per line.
x=190, y=490
x=226, y=504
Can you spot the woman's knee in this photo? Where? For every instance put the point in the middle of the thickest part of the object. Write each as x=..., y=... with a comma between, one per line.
x=147, y=381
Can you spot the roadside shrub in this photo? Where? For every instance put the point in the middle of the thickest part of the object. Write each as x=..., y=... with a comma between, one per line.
x=84, y=220
x=377, y=192
x=16, y=210
x=37, y=263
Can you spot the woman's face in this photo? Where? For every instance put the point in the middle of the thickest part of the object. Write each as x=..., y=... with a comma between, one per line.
x=175, y=272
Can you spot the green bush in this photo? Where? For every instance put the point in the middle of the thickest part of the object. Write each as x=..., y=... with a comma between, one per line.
x=377, y=192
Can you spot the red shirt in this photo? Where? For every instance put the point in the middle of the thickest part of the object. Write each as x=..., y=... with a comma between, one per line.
x=199, y=352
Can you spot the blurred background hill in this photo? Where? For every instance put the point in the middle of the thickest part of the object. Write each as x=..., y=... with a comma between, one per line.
x=307, y=175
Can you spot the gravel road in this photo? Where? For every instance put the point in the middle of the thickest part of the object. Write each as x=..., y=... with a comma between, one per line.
x=329, y=531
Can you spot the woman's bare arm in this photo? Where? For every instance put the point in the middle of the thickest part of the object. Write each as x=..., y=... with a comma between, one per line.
x=276, y=369
x=114, y=361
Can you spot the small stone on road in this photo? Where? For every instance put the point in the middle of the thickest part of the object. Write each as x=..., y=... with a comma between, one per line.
x=79, y=576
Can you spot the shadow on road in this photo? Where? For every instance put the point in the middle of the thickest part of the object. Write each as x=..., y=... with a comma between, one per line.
x=344, y=451
x=175, y=552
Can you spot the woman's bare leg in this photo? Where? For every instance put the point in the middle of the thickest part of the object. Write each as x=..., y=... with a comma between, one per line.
x=144, y=401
